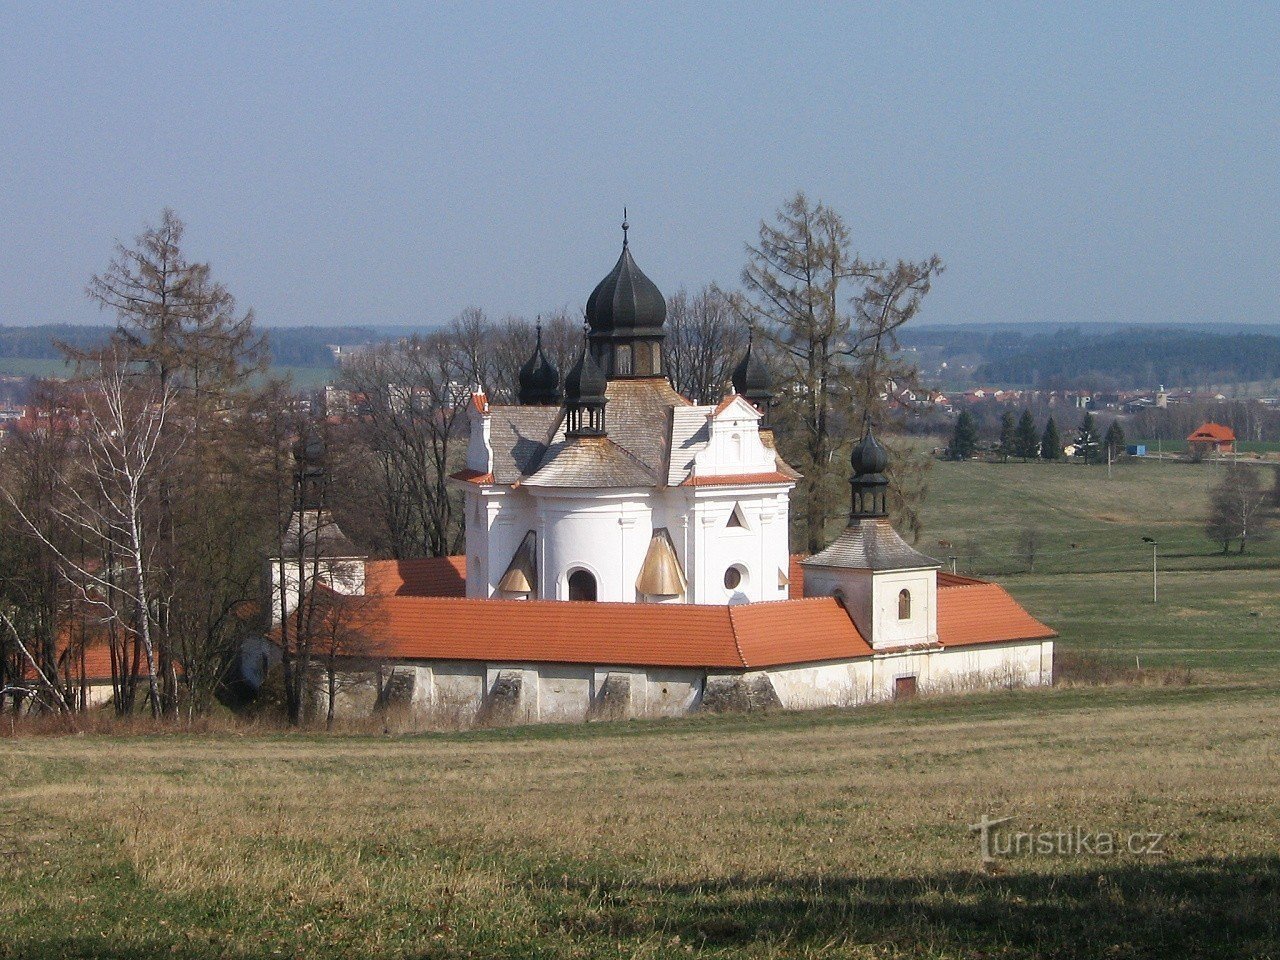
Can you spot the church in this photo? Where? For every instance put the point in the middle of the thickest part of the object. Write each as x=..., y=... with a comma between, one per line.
x=627, y=555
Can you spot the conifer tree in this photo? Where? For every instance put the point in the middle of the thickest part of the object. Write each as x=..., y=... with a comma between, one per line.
x=1008, y=436
x=964, y=439
x=1050, y=442
x=1087, y=438
x=1027, y=441
x=1114, y=440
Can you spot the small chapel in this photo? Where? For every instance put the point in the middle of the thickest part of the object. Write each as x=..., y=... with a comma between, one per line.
x=627, y=555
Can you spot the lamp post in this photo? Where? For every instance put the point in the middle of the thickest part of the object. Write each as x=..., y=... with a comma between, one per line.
x=1155, y=568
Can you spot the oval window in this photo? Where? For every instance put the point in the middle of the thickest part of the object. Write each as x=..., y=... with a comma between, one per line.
x=732, y=578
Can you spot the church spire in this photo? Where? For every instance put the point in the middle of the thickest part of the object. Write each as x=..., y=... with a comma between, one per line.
x=869, y=484
x=539, y=380
x=626, y=312
x=584, y=395
x=751, y=379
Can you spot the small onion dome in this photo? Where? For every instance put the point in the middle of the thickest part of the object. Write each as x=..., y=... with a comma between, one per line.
x=626, y=301
x=539, y=380
x=869, y=457
x=586, y=382
x=751, y=377
x=308, y=450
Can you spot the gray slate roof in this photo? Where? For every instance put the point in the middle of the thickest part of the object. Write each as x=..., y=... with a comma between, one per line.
x=320, y=537
x=520, y=437
x=590, y=462
x=870, y=544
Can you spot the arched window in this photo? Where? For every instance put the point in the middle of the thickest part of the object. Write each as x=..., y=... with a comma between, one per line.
x=582, y=586
x=735, y=443
x=624, y=360
x=904, y=605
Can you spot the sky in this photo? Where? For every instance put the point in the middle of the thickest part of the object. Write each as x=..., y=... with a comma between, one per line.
x=395, y=164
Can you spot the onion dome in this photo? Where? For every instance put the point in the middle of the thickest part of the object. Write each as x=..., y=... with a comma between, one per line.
x=626, y=302
x=584, y=396
x=870, y=486
x=869, y=457
x=539, y=380
x=751, y=377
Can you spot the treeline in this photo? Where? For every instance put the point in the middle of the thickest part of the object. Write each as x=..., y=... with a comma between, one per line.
x=173, y=465
x=1136, y=358
x=286, y=346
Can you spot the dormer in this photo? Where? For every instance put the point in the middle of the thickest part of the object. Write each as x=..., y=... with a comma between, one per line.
x=734, y=446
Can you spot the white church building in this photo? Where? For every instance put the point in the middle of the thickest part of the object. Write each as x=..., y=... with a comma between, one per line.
x=627, y=555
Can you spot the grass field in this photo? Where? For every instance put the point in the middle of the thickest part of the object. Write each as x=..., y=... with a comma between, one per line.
x=802, y=835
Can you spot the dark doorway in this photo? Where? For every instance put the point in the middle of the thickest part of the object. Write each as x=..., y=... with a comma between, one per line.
x=582, y=586
x=904, y=687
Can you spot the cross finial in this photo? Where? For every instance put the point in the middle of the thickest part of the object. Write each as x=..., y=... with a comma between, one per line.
x=538, y=329
x=625, y=227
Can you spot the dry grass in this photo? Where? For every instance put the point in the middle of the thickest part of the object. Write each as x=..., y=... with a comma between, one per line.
x=838, y=834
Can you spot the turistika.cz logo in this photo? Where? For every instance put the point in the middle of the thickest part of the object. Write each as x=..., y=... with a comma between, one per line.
x=997, y=841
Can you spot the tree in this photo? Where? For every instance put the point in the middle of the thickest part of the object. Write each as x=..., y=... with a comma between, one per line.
x=1087, y=439
x=343, y=636
x=831, y=318
x=964, y=438
x=1008, y=436
x=1238, y=508
x=1028, y=546
x=1050, y=442
x=1114, y=442
x=173, y=317
x=416, y=396
x=704, y=341
x=1026, y=440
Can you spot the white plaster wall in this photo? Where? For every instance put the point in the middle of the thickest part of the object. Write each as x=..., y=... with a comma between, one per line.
x=841, y=683
x=760, y=549
x=734, y=444
x=872, y=602
x=671, y=692
x=342, y=576
x=606, y=534
x=564, y=692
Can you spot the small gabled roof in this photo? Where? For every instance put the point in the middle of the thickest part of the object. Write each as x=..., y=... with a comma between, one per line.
x=871, y=543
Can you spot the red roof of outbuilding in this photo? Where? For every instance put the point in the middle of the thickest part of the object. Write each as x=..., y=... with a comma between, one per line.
x=425, y=577
x=671, y=635
x=1213, y=431
x=978, y=612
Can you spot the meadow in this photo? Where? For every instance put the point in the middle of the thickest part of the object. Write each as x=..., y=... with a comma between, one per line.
x=826, y=834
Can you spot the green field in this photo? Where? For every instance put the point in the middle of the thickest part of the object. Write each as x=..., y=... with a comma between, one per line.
x=1217, y=613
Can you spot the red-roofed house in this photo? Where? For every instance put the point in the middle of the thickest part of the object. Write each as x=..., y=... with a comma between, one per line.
x=1211, y=438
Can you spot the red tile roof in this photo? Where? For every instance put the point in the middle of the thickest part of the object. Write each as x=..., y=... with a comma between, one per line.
x=749, y=636
x=730, y=480
x=426, y=577
x=1213, y=431
x=472, y=476
x=978, y=612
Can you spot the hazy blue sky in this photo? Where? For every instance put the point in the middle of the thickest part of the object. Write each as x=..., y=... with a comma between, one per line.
x=397, y=164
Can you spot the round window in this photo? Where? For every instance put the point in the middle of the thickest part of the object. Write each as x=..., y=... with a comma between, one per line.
x=732, y=578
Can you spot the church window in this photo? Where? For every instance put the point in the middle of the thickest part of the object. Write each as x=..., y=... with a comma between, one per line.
x=904, y=605
x=624, y=360
x=582, y=586
x=733, y=578
x=736, y=443
x=736, y=519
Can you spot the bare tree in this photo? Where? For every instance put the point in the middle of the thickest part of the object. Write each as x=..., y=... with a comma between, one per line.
x=107, y=496
x=704, y=341
x=416, y=395
x=1238, y=508
x=1030, y=542
x=343, y=637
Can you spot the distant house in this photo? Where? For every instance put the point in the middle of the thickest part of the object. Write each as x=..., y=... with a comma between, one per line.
x=1212, y=438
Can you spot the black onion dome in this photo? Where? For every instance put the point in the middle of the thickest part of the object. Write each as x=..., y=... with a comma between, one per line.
x=626, y=301
x=751, y=377
x=586, y=382
x=869, y=457
x=539, y=380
